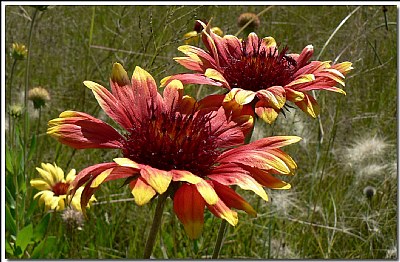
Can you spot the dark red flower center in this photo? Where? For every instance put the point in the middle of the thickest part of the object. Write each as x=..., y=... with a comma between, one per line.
x=60, y=188
x=174, y=141
x=259, y=69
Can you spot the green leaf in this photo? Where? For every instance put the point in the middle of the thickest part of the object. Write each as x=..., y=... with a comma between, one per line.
x=9, y=162
x=32, y=148
x=31, y=209
x=9, y=248
x=41, y=229
x=45, y=247
x=10, y=199
x=24, y=237
x=10, y=222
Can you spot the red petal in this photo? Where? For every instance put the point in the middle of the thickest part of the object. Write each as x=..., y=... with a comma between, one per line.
x=232, y=199
x=192, y=79
x=122, y=90
x=189, y=208
x=80, y=130
x=146, y=99
x=110, y=104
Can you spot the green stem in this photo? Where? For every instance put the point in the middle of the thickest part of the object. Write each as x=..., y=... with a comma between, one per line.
x=10, y=100
x=222, y=227
x=38, y=152
x=220, y=237
x=151, y=239
x=28, y=59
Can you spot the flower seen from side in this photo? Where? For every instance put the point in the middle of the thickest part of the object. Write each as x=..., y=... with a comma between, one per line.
x=251, y=18
x=172, y=144
x=254, y=71
x=19, y=51
x=54, y=188
x=39, y=96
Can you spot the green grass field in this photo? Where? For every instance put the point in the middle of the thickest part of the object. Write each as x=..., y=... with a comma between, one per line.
x=325, y=215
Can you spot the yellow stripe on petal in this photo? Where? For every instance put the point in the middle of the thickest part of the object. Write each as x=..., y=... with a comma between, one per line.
x=142, y=192
x=163, y=81
x=251, y=184
x=294, y=96
x=68, y=113
x=185, y=176
x=215, y=75
x=267, y=114
x=241, y=96
x=100, y=178
x=126, y=162
x=343, y=67
x=158, y=179
x=244, y=97
x=207, y=192
x=287, y=186
x=230, y=216
x=224, y=212
x=91, y=85
x=301, y=80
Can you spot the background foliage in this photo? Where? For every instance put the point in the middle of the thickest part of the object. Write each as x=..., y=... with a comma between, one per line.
x=324, y=215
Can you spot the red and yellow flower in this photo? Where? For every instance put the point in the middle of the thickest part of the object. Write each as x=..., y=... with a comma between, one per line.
x=255, y=72
x=172, y=144
x=54, y=188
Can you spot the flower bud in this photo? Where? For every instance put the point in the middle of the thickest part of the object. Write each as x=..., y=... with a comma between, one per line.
x=247, y=17
x=15, y=111
x=19, y=51
x=369, y=191
x=39, y=96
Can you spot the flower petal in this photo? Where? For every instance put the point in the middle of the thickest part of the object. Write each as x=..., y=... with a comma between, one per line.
x=40, y=184
x=266, y=179
x=215, y=75
x=141, y=191
x=80, y=130
x=265, y=112
x=262, y=144
x=222, y=211
x=232, y=199
x=275, y=96
x=241, y=96
x=189, y=208
x=301, y=80
x=70, y=176
x=146, y=98
x=100, y=178
x=309, y=105
x=200, y=79
x=122, y=90
x=185, y=176
x=109, y=104
x=173, y=93
x=158, y=179
x=231, y=174
x=126, y=162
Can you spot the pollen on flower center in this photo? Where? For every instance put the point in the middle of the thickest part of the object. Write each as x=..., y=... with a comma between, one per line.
x=60, y=188
x=173, y=141
x=260, y=69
